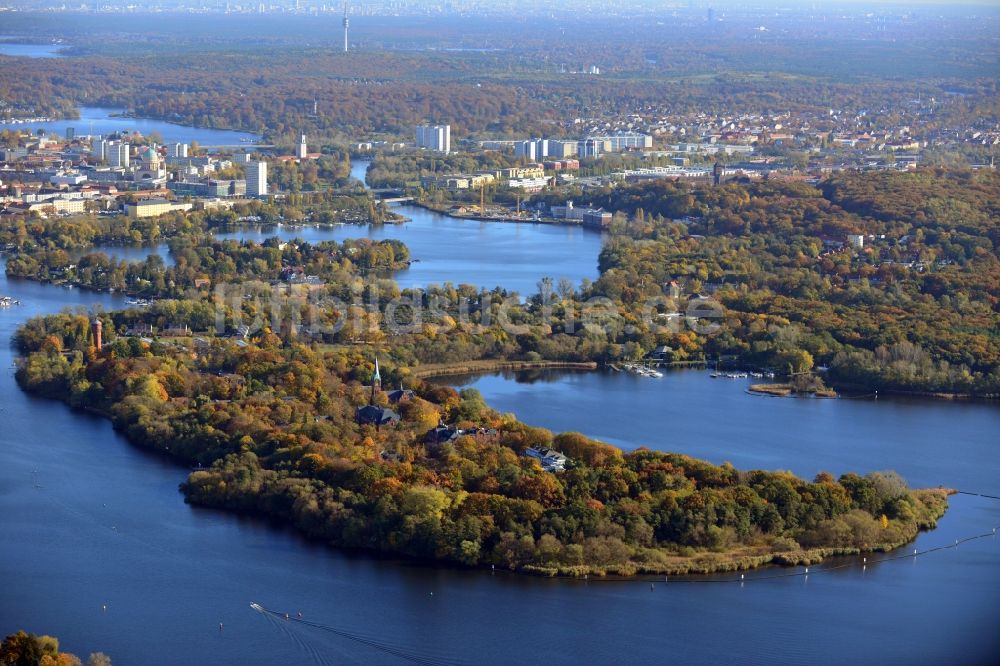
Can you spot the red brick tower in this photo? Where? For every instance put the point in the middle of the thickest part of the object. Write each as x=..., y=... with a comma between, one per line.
x=98, y=338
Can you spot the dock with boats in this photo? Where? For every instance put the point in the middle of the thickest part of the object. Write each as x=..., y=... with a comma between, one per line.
x=636, y=369
x=741, y=375
x=7, y=301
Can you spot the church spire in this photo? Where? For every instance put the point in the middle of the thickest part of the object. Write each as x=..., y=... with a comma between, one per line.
x=376, y=381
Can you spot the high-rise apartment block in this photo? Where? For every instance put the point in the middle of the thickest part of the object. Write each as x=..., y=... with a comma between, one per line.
x=533, y=149
x=99, y=150
x=256, y=179
x=434, y=137
x=117, y=153
x=561, y=149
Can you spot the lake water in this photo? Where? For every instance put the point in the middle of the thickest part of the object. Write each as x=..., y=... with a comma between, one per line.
x=447, y=249
x=96, y=120
x=100, y=550
x=715, y=419
x=130, y=253
x=32, y=50
x=484, y=254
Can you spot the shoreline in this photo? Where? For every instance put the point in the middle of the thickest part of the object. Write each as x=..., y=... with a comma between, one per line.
x=548, y=221
x=486, y=366
x=704, y=563
x=934, y=395
x=129, y=116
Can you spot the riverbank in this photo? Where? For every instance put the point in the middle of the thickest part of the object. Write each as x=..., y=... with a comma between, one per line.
x=862, y=391
x=746, y=559
x=698, y=563
x=127, y=115
x=449, y=211
x=489, y=365
x=106, y=120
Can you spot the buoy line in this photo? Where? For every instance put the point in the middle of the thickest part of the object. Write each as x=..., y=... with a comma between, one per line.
x=847, y=565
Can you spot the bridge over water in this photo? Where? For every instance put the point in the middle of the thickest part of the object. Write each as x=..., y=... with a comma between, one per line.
x=390, y=195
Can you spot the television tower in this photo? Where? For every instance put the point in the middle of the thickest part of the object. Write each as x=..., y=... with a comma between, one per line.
x=345, y=27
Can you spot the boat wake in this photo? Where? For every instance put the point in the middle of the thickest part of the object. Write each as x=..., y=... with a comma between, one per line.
x=284, y=621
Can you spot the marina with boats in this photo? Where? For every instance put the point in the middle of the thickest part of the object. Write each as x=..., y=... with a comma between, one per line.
x=648, y=369
x=637, y=369
x=139, y=302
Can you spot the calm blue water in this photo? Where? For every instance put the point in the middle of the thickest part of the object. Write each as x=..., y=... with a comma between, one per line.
x=100, y=120
x=716, y=420
x=484, y=254
x=131, y=253
x=520, y=255
x=32, y=50
x=90, y=521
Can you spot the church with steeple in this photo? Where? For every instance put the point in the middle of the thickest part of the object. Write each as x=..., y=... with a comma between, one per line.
x=372, y=414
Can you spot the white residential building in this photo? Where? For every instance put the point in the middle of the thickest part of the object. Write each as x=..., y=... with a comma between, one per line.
x=256, y=179
x=434, y=137
x=526, y=149
x=528, y=184
x=533, y=149
x=118, y=154
x=617, y=143
x=99, y=150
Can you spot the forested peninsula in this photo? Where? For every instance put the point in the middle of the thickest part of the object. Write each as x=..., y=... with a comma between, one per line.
x=280, y=431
